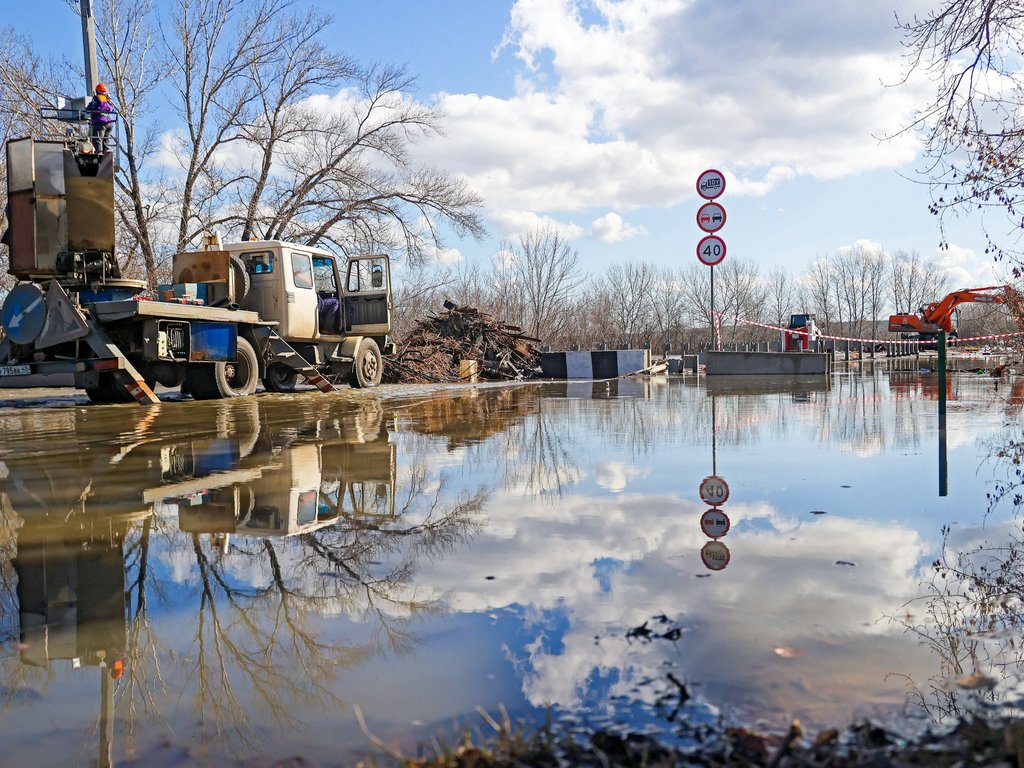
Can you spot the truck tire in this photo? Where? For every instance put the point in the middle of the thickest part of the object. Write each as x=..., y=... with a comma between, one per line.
x=217, y=380
x=242, y=280
x=280, y=378
x=367, y=366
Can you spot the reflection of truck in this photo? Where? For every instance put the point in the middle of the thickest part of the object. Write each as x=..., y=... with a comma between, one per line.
x=931, y=319
x=234, y=315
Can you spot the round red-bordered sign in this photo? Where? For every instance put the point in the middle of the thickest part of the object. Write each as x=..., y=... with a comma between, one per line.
x=714, y=490
x=710, y=184
x=711, y=250
x=715, y=523
x=715, y=555
x=711, y=217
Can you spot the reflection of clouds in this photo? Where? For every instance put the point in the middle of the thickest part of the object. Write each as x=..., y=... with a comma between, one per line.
x=616, y=475
x=782, y=589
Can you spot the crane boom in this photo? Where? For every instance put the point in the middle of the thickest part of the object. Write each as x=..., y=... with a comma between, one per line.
x=92, y=76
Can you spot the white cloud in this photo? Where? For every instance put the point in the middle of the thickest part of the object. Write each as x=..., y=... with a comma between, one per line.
x=616, y=475
x=965, y=267
x=612, y=228
x=621, y=104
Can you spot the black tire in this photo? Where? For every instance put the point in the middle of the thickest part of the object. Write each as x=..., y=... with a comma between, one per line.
x=280, y=378
x=108, y=391
x=212, y=381
x=367, y=366
x=242, y=280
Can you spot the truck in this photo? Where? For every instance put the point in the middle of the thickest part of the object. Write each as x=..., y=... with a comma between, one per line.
x=937, y=317
x=234, y=314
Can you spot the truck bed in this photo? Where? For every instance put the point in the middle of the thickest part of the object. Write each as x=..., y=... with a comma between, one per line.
x=110, y=311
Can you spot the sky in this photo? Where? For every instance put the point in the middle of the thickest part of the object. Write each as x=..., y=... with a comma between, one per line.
x=597, y=116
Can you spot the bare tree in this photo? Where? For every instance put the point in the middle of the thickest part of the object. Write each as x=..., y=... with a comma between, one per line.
x=625, y=294
x=547, y=272
x=740, y=295
x=782, y=296
x=667, y=303
x=817, y=288
x=913, y=284
x=973, y=128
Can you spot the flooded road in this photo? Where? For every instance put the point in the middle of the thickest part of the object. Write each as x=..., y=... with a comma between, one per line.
x=233, y=581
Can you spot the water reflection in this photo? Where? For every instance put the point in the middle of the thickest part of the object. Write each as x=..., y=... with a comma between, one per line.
x=537, y=547
x=246, y=537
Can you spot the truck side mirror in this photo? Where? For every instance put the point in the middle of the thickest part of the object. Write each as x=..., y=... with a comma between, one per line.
x=377, y=277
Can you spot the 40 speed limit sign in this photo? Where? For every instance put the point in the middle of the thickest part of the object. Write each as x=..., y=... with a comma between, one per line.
x=714, y=490
x=711, y=250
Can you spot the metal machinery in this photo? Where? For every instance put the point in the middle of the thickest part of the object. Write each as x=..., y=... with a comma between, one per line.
x=234, y=315
x=799, y=342
x=937, y=317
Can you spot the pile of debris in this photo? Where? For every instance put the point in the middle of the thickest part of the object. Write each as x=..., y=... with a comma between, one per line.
x=436, y=348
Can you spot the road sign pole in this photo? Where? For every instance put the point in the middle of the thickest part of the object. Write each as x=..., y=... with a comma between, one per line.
x=712, y=307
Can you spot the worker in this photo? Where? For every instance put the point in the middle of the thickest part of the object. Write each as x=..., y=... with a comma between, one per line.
x=101, y=117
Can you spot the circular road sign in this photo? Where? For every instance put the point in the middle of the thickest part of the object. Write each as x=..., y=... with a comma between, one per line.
x=710, y=184
x=714, y=555
x=24, y=313
x=714, y=490
x=714, y=523
x=711, y=250
x=711, y=217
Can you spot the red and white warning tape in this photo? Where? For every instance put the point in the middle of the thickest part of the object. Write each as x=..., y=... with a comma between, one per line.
x=960, y=340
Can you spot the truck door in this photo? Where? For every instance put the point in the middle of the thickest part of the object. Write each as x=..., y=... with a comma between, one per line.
x=302, y=300
x=367, y=298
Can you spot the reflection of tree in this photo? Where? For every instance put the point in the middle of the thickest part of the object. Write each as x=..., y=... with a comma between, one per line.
x=973, y=605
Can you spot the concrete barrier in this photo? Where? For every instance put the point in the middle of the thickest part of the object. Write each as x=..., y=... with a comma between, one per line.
x=766, y=363
x=600, y=364
x=682, y=364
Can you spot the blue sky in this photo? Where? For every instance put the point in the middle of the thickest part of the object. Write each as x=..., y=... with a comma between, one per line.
x=597, y=116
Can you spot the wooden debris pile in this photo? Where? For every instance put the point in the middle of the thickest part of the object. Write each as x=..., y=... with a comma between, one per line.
x=434, y=349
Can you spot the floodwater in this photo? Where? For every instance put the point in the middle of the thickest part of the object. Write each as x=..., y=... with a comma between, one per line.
x=244, y=581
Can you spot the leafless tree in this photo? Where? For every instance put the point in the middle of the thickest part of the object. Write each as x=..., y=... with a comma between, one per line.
x=817, y=287
x=740, y=295
x=913, y=284
x=858, y=276
x=667, y=303
x=546, y=269
x=625, y=291
x=782, y=296
x=972, y=127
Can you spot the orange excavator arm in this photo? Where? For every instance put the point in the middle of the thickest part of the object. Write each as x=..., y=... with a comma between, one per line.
x=938, y=316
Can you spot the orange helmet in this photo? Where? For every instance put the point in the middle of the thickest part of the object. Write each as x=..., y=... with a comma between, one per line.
x=101, y=88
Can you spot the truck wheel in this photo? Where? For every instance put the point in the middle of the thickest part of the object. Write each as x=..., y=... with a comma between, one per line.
x=367, y=366
x=242, y=280
x=237, y=379
x=280, y=378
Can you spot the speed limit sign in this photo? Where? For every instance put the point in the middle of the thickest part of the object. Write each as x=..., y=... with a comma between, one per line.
x=714, y=490
x=711, y=250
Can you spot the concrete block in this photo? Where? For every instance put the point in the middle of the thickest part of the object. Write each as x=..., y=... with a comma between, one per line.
x=765, y=363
